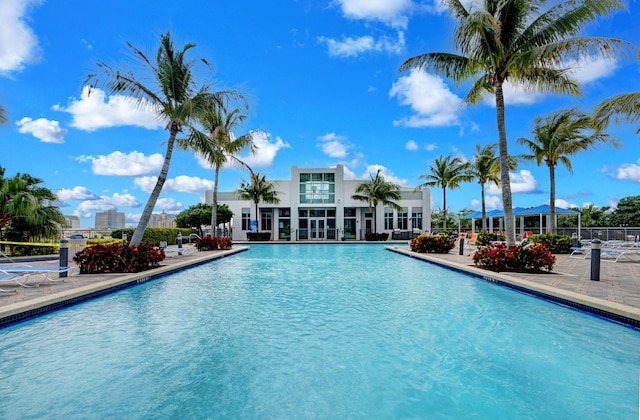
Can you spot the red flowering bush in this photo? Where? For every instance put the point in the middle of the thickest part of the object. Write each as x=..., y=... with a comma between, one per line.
x=437, y=244
x=209, y=243
x=499, y=257
x=118, y=258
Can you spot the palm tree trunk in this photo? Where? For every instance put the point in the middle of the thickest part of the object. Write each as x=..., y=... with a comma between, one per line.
x=153, y=198
x=552, y=199
x=214, y=208
x=257, y=218
x=484, y=209
x=444, y=207
x=507, y=202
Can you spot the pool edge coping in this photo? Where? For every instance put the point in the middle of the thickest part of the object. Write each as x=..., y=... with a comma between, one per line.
x=613, y=311
x=22, y=311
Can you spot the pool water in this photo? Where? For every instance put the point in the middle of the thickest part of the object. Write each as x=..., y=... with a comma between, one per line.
x=319, y=331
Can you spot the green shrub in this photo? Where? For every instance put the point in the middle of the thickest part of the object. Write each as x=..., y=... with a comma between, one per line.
x=32, y=250
x=485, y=238
x=436, y=244
x=118, y=258
x=155, y=235
x=499, y=257
x=556, y=244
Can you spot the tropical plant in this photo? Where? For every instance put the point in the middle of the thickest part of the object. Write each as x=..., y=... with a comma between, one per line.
x=219, y=145
x=200, y=214
x=173, y=94
x=376, y=191
x=258, y=189
x=3, y=115
x=26, y=208
x=499, y=257
x=446, y=172
x=557, y=137
x=591, y=215
x=556, y=244
x=522, y=42
x=436, y=244
x=624, y=107
x=627, y=212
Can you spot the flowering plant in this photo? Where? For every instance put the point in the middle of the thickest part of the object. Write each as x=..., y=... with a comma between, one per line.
x=118, y=258
x=499, y=257
x=209, y=243
x=432, y=244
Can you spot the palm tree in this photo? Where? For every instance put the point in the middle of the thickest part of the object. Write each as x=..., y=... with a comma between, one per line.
x=258, y=189
x=172, y=92
x=220, y=145
x=376, y=191
x=625, y=107
x=519, y=41
x=593, y=215
x=446, y=172
x=557, y=137
x=26, y=209
x=3, y=115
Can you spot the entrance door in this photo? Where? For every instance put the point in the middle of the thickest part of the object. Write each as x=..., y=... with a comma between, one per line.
x=317, y=228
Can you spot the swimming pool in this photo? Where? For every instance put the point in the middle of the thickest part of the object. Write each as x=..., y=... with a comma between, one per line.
x=318, y=331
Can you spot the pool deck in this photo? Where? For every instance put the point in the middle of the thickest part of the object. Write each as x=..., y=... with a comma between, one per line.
x=616, y=295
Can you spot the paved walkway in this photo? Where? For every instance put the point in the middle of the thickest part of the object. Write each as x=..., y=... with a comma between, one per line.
x=618, y=290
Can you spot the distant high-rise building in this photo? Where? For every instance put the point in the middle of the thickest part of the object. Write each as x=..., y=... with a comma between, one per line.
x=162, y=220
x=71, y=222
x=110, y=219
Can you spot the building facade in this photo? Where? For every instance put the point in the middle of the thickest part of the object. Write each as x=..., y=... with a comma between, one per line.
x=162, y=220
x=316, y=204
x=110, y=219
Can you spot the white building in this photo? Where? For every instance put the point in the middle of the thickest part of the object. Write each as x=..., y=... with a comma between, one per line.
x=316, y=204
x=162, y=220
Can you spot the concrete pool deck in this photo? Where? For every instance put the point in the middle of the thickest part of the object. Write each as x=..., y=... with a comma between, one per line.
x=616, y=295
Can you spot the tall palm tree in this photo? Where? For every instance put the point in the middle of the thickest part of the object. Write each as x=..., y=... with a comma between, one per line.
x=219, y=145
x=520, y=41
x=624, y=107
x=446, y=172
x=376, y=191
x=557, y=137
x=3, y=115
x=485, y=168
x=593, y=215
x=172, y=91
x=258, y=189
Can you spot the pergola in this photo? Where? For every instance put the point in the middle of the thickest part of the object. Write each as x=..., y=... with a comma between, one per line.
x=542, y=210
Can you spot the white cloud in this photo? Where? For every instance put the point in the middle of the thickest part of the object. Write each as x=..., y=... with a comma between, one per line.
x=430, y=147
x=77, y=193
x=351, y=47
x=629, y=171
x=491, y=202
x=266, y=150
x=168, y=205
x=411, y=145
x=390, y=12
x=333, y=145
x=94, y=111
x=48, y=131
x=103, y=203
x=522, y=182
x=18, y=43
x=388, y=176
x=429, y=97
x=121, y=164
x=182, y=183
x=564, y=204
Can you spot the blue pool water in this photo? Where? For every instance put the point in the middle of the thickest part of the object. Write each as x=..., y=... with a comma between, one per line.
x=318, y=331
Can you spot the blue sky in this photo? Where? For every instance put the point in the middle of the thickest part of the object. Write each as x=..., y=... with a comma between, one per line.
x=324, y=85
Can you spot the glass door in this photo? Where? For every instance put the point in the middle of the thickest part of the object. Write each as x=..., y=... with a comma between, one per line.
x=317, y=228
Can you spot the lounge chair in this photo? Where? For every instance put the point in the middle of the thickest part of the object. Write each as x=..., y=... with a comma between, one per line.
x=16, y=278
x=176, y=252
x=44, y=273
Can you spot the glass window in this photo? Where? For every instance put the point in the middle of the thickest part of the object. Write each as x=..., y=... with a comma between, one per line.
x=403, y=219
x=246, y=219
x=330, y=177
x=349, y=212
x=388, y=218
x=416, y=219
x=266, y=219
x=305, y=177
x=316, y=177
x=284, y=212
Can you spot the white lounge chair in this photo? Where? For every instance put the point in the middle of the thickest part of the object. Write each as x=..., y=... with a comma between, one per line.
x=176, y=252
x=16, y=278
x=45, y=273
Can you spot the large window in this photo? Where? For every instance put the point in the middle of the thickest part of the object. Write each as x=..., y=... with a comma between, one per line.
x=416, y=218
x=266, y=219
x=388, y=218
x=317, y=188
x=403, y=219
x=349, y=229
x=246, y=218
